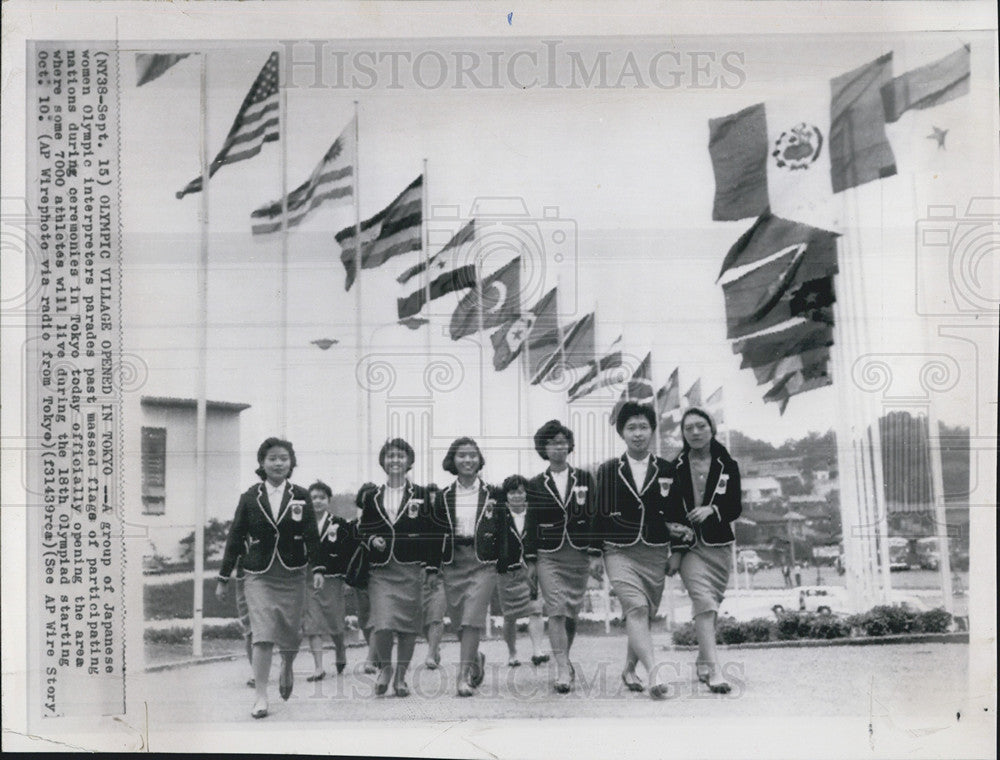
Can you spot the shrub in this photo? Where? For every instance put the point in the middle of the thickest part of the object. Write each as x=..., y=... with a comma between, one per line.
x=166, y=601
x=933, y=621
x=828, y=627
x=758, y=629
x=793, y=625
x=181, y=634
x=884, y=620
x=730, y=631
x=684, y=636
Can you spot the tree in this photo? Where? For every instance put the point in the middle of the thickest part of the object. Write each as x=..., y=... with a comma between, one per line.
x=215, y=540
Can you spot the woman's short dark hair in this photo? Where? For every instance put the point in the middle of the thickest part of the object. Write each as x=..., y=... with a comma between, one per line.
x=547, y=432
x=448, y=465
x=632, y=409
x=696, y=411
x=319, y=485
x=400, y=445
x=513, y=482
x=269, y=444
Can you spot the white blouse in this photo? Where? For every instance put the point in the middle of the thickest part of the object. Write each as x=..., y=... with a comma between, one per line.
x=393, y=500
x=639, y=469
x=466, y=504
x=562, y=482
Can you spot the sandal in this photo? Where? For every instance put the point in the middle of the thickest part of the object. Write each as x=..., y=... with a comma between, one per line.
x=633, y=684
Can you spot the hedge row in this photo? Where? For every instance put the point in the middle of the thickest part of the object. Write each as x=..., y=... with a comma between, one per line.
x=879, y=621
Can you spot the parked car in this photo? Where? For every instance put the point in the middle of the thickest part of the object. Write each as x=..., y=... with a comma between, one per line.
x=823, y=599
x=748, y=559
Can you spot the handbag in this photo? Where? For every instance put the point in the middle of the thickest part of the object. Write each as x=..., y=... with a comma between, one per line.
x=356, y=575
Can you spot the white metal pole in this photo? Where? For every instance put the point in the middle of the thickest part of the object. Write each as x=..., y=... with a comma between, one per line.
x=363, y=418
x=283, y=127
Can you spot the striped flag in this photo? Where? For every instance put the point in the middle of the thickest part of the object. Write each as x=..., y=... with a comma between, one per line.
x=332, y=180
x=928, y=85
x=639, y=389
x=449, y=282
x=256, y=123
x=150, y=66
x=543, y=340
x=393, y=231
x=602, y=373
x=441, y=259
x=576, y=349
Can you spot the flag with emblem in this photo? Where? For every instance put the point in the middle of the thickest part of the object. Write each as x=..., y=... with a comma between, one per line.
x=450, y=256
x=393, y=231
x=501, y=302
x=332, y=181
x=793, y=153
x=512, y=336
x=150, y=66
x=639, y=388
x=576, y=349
x=601, y=373
x=256, y=123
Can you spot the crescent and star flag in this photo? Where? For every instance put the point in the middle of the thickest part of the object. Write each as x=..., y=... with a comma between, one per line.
x=449, y=282
x=150, y=66
x=393, y=231
x=791, y=155
x=501, y=302
x=639, y=388
x=447, y=255
x=790, y=283
x=927, y=86
x=511, y=337
x=693, y=396
x=332, y=180
x=601, y=373
x=256, y=123
x=575, y=350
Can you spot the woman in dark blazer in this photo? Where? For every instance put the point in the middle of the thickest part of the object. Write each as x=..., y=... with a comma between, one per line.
x=470, y=552
x=631, y=521
x=706, y=497
x=434, y=606
x=325, y=607
x=558, y=542
x=396, y=527
x=274, y=534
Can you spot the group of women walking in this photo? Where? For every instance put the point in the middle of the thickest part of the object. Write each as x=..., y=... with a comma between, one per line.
x=432, y=551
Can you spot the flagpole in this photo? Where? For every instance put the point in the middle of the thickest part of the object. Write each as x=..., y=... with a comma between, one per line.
x=522, y=385
x=479, y=326
x=283, y=138
x=425, y=257
x=364, y=465
x=201, y=410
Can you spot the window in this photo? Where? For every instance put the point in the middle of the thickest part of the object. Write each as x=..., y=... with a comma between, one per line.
x=154, y=470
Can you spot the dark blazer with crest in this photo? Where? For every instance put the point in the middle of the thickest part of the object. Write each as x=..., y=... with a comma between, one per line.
x=337, y=542
x=552, y=520
x=408, y=538
x=490, y=536
x=261, y=533
x=515, y=542
x=628, y=512
x=723, y=493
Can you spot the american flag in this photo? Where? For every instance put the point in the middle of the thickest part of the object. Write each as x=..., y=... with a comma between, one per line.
x=255, y=124
x=332, y=180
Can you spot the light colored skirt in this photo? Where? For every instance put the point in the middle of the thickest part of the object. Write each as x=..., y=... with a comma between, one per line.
x=468, y=585
x=275, y=601
x=637, y=575
x=515, y=594
x=705, y=572
x=395, y=590
x=242, y=613
x=562, y=579
x=434, y=604
x=325, y=609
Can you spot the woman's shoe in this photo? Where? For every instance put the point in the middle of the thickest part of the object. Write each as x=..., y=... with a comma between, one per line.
x=564, y=687
x=633, y=683
x=465, y=689
x=430, y=663
x=317, y=676
x=341, y=664
x=704, y=673
x=259, y=710
x=720, y=688
x=370, y=669
x=401, y=689
x=382, y=686
x=478, y=672
x=252, y=683
x=540, y=659
x=660, y=691
x=513, y=662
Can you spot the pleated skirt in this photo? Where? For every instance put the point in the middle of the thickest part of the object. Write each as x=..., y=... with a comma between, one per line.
x=705, y=572
x=275, y=602
x=325, y=609
x=562, y=580
x=516, y=597
x=468, y=585
x=637, y=575
x=395, y=593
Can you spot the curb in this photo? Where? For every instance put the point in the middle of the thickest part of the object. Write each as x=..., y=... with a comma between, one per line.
x=958, y=637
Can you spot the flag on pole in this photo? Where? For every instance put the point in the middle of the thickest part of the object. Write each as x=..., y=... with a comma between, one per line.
x=805, y=379
x=575, y=350
x=501, y=302
x=150, y=66
x=693, y=396
x=791, y=154
x=512, y=336
x=928, y=86
x=668, y=408
x=795, y=337
x=449, y=282
x=713, y=404
x=332, y=180
x=256, y=123
x=668, y=397
x=543, y=340
x=767, y=372
x=770, y=234
x=639, y=388
x=395, y=230
x=601, y=373
x=447, y=255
